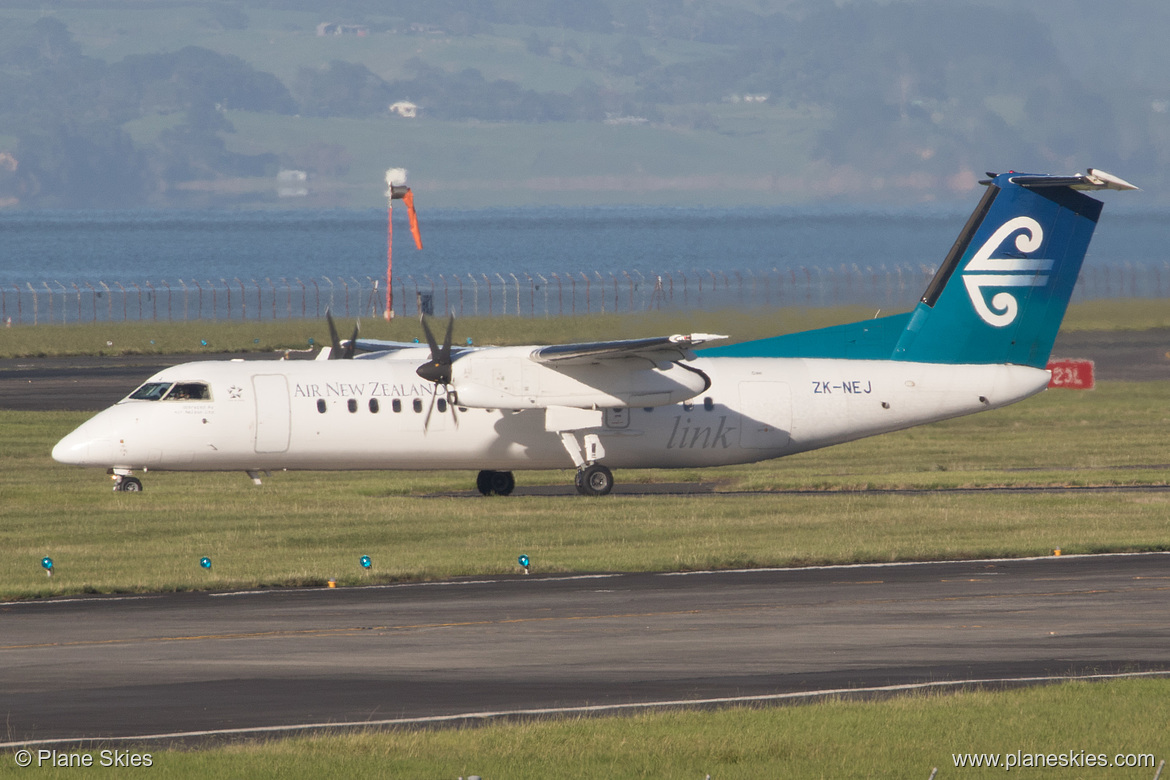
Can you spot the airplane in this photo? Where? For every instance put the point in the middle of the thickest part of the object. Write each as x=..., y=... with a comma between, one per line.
x=978, y=339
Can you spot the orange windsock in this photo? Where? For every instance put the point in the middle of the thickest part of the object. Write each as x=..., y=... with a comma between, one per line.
x=408, y=199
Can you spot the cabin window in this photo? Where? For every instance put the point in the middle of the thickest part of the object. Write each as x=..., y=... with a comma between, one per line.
x=688, y=406
x=151, y=391
x=442, y=404
x=321, y=405
x=647, y=409
x=708, y=403
x=189, y=391
x=417, y=404
x=352, y=405
x=396, y=405
x=373, y=405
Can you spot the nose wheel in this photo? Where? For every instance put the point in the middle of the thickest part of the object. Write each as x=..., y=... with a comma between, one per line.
x=495, y=483
x=125, y=484
x=595, y=480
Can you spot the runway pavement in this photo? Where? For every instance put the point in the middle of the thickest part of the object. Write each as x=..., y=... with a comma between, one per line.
x=132, y=667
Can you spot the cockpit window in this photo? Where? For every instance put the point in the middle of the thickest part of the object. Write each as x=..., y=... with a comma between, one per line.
x=189, y=391
x=151, y=391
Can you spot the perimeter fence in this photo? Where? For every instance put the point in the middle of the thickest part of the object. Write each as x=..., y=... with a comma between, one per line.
x=511, y=294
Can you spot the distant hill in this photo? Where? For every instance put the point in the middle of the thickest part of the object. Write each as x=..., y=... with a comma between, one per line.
x=129, y=103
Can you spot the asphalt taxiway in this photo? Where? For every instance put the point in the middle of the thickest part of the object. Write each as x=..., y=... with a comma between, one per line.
x=205, y=665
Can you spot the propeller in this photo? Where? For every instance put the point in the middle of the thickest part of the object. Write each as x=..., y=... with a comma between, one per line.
x=438, y=369
x=338, y=352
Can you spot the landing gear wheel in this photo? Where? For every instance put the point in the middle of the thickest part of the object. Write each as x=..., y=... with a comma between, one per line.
x=128, y=485
x=495, y=483
x=595, y=480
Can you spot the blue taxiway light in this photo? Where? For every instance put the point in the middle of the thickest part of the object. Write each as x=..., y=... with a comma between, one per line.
x=365, y=561
x=523, y=561
x=205, y=562
x=47, y=563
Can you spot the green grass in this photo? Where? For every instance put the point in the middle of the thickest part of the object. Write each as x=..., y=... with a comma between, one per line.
x=901, y=737
x=1112, y=315
x=304, y=528
x=117, y=338
x=470, y=164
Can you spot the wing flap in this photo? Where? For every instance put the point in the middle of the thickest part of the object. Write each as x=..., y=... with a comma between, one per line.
x=656, y=350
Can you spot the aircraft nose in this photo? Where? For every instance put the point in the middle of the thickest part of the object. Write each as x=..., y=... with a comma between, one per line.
x=80, y=448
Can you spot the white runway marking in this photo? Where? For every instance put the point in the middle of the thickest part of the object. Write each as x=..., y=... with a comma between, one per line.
x=596, y=709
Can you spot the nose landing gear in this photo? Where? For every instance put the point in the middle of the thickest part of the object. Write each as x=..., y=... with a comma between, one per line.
x=124, y=483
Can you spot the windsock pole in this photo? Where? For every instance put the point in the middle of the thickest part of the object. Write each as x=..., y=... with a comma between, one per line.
x=396, y=189
x=389, y=313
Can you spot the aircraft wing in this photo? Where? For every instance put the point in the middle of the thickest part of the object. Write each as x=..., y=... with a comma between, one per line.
x=593, y=375
x=658, y=350
x=379, y=345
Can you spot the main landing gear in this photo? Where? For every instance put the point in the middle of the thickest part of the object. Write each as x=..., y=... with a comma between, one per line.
x=591, y=480
x=495, y=483
x=595, y=480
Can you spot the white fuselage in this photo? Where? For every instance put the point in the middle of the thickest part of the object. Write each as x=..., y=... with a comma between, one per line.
x=372, y=414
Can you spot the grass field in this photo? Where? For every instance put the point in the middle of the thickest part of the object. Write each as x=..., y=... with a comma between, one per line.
x=903, y=737
x=304, y=528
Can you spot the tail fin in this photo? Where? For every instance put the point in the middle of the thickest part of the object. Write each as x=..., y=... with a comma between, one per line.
x=999, y=296
x=1002, y=292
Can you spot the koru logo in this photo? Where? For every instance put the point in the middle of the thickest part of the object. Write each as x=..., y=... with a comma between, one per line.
x=986, y=271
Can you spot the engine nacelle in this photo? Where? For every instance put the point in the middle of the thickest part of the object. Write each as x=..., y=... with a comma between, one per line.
x=508, y=378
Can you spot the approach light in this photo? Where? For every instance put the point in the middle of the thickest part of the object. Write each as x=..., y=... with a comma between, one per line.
x=365, y=561
x=205, y=562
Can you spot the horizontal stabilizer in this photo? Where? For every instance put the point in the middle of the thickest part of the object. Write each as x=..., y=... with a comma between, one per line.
x=1093, y=180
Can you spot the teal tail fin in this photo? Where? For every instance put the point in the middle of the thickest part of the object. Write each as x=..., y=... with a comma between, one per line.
x=1002, y=292
x=1000, y=295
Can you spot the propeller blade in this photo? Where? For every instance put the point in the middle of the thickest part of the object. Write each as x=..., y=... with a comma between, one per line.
x=431, y=408
x=351, y=347
x=334, y=339
x=452, y=399
x=446, y=354
x=438, y=369
x=430, y=336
